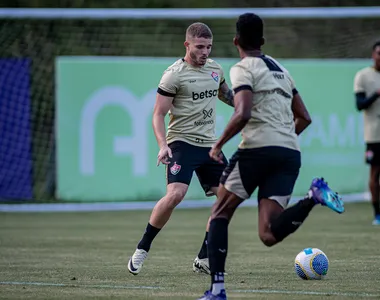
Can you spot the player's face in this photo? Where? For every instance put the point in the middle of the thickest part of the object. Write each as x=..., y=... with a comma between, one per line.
x=199, y=49
x=376, y=56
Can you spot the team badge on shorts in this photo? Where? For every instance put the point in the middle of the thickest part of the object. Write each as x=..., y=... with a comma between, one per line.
x=215, y=76
x=369, y=155
x=175, y=168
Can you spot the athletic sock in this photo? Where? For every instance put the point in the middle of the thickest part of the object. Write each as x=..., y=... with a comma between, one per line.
x=376, y=208
x=203, y=251
x=148, y=237
x=291, y=219
x=217, y=283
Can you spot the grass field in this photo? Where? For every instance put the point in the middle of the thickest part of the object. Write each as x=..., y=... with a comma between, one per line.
x=84, y=255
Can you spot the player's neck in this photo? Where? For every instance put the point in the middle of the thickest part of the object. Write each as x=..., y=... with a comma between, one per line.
x=250, y=53
x=190, y=62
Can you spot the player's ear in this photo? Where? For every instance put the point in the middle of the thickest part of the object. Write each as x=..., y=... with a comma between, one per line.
x=186, y=43
x=235, y=40
x=262, y=41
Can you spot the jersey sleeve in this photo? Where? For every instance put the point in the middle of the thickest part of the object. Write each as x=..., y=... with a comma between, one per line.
x=359, y=83
x=241, y=78
x=169, y=84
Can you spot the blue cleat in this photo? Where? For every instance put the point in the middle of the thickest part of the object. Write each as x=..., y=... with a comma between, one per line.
x=321, y=193
x=376, y=221
x=209, y=296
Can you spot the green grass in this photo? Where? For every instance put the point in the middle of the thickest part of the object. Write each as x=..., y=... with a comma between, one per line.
x=95, y=247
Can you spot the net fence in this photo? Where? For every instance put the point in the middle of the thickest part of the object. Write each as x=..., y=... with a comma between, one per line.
x=41, y=41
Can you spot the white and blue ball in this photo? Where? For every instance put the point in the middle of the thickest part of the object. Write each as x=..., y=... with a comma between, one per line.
x=311, y=264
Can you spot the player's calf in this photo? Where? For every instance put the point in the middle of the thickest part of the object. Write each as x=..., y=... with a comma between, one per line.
x=225, y=205
x=268, y=211
x=164, y=208
x=222, y=212
x=289, y=220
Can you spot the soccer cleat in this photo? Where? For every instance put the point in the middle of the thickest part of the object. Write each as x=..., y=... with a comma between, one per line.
x=136, y=261
x=321, y=193
x=376, y=221
x=209, y=296
x=201, y=265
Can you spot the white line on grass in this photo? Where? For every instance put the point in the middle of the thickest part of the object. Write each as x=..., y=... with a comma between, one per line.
x=357, y=295
x=144, y=205
x=100, y=286
x=107, y=286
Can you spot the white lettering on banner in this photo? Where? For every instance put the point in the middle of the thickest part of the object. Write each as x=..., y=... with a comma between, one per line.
x=334, y=131
x=345, y=135
x=360, y=131
x=135, y=145
x=329, y=131
x=221, y=123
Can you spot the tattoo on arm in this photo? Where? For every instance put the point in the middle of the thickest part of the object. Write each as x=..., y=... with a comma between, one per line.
x=227, y=96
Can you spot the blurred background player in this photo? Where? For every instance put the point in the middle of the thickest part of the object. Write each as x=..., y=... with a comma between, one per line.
x=188, y=91
x=367, y=91
x=271, y=115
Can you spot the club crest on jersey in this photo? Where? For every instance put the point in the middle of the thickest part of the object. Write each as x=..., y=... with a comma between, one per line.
x=175, y=168
x=215, y=76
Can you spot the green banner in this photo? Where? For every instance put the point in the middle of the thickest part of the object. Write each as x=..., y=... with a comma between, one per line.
x=106, y=150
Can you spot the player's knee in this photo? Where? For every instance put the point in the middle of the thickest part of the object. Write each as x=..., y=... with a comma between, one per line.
x=373, y=181
x=267, y=239
x=220, y=215
x=221, y=210
x=266, y=236
x=174, y=197
x=225, y=206
x=374, y=174
x=216, y=210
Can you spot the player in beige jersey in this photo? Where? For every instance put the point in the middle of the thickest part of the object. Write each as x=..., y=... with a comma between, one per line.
x=271, y=114
x=367, y=91
x=188, y=91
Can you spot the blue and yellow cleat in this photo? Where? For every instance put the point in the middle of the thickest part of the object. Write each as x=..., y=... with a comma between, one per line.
x=321, y=193
x=209, y=296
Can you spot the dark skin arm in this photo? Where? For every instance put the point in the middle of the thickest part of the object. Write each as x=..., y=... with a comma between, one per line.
x=302, y=117
x=242, y=114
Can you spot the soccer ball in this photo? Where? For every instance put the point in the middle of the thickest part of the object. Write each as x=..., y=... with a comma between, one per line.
x=311, y=264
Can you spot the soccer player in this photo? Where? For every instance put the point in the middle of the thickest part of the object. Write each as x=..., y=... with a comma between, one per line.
x=367, y=91
x=188, y=90
x=271, y=114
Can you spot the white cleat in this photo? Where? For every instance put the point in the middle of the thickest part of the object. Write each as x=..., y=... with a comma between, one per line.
x=136, y=261
x=201, y=265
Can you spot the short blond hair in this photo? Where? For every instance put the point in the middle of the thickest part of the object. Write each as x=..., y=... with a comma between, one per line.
x=199, y=30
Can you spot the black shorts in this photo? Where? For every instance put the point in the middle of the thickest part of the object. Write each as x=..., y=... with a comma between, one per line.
x=274, y=170
x=187, y=159
x=372, y=154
